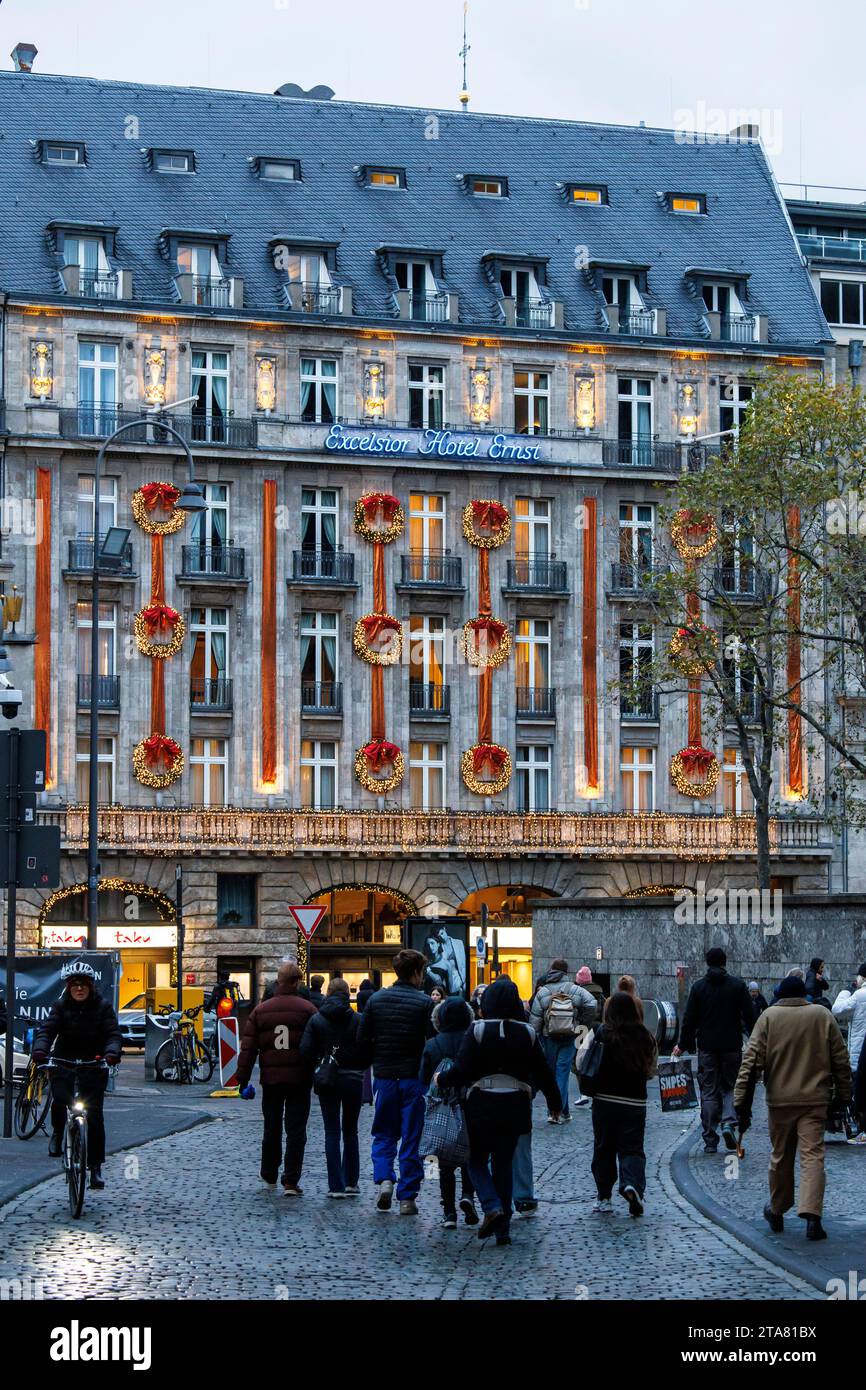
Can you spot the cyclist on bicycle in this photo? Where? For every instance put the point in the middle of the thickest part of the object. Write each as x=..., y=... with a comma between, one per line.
x=82, y=1026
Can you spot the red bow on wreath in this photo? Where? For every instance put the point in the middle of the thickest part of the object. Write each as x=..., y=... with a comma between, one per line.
x=163, y=495
x=160, y=748
x=377, y=625
x=380, y=501
x=696, y=761
x=693, y=521
x=489, y=516
x=490, y=754
x=493, y=629
x=380, y=753
x=159, y=618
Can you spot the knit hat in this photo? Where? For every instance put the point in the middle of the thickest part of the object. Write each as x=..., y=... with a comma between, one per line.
x=584, y=975
x=753, y=984
x=792, y=987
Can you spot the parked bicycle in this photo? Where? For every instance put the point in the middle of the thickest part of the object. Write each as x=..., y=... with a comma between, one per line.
x=183, y=1057
x=32, y=1101
x=75, y=1130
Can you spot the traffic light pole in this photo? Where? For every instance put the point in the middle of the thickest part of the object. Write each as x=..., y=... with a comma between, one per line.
x=11, y=910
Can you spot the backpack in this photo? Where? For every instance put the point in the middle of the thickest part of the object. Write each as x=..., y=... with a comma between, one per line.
x=559, y=1020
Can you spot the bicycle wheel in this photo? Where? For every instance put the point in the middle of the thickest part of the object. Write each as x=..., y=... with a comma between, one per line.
x=76, y=1171
x=166, y=1066
x=31, y=1102
x=204, y=1062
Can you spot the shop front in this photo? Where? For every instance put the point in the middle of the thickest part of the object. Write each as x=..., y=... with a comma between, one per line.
x=360, y=934
x=134, y=920
x=508, y=933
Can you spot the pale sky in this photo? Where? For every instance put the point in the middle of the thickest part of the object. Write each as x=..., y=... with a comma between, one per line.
x=684, y=63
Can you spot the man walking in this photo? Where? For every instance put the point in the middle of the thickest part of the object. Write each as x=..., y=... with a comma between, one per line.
x=799, y=1049
x=273, y=1033
x=394, y=1027
x=557, y=1010
x=718, y=1013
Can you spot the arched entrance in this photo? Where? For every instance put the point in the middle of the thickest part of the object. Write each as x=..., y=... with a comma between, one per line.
x=360, y=933
x=511, y=920
x=134, y=919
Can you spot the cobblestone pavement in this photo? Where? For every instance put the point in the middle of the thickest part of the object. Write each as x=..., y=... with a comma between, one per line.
x=741, y=1189
x=171, y=1204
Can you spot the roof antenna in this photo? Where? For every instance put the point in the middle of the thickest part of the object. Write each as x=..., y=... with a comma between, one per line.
x=464, y=53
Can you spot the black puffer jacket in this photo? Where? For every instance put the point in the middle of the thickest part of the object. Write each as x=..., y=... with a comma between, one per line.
x=85, y=1030
x=366, y=990
x=394, y=1026
x=335, y=1025
x=451, y=1018
x=719, y=1011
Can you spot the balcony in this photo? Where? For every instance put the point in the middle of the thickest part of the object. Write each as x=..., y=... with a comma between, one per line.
x=637, y=323
x=737, y=328
x=832, y=248
x=99, y=421
x=406, y=834
x=638, y=707
x=429, y=701
x=742, y=583
x=747, y=702
x=210, y=693
x=211, y=291
x=217, y=562
x=216, y=429
x=533, y=313
x=539, y=575
x=423, y=308
x=81, y=557
x=432, y=569
x=630, y=579
x=321, y=697
x=641, y=453
x=96, y=284
x=536, y=702
x=107, y=692
x=308, y=297
x=327, y=567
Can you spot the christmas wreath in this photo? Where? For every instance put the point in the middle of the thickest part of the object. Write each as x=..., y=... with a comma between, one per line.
x=378, y=638
x=486, y=523
x=155, y=752
x=159, y=498
x=491, y=756
x=379, y=517
x=375, y=756
x=485, y=641
x=694, y=534
x=695, y=771
x=692, y=651
x=159, y=618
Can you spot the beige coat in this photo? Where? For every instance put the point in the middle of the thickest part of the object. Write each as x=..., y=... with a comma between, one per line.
x=799, y=1049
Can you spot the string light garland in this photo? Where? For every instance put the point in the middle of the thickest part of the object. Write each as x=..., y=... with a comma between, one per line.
x=147, y=755
x=159, y=617
x=160, y=497
x=372, y=506
x=364, y=769
x=409, y=906
x=684, y=649
x=111, y=885
x=695, y=772
x=368, y=629
x=486, y=523
x=684, y=525
x=482, y=755
x=657, y=890
x=477, y=652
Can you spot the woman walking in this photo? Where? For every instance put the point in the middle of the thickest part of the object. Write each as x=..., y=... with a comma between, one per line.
x=619, y=1104
x=499, y=1062
x=450, y=1019
x=331, y=1038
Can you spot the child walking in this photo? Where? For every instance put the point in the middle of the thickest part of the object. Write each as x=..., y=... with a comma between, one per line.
x=619, y=1104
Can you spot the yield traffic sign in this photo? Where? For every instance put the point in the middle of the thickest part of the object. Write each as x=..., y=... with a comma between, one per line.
x=307, y=918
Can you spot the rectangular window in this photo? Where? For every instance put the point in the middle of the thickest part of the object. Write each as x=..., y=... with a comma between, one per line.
x=532, y=528
x=107, y=638
x=97, y=388
x=621, y=292
x=319, y=529
x=488, y=188
x=210, y=287
x=318, y=657
x=96, y=280
x=210, y=386
x=635, y=418
x=427, y=650
x=737, y=796
x=637, y=774
x=719, y=299
x=687, y=202
x=105, y=770
x=386, y=178
x=843, y=302
x=426, y=523
x=107, y=505
x=582, y=193
x=56, y=152
x=426, y=396
x=531, y=402
x=209, y=667
x=211, y=528
x=532, y=654
x=173, y=161
x=735, y=396
x=533, y=777
x=318, y=775
x=319, y=390
x=208, y=761
x=635, y=543
x=427, y=776
x=236, y=900
x=636, y=646
x=286, y=169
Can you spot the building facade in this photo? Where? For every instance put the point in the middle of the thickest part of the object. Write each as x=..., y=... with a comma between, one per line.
x=377, y=322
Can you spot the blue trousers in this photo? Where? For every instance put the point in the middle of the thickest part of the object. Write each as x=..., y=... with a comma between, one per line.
x=559, y=1058
x=341, y=1106
x=491, y=1156
x=521, y=1170
x=398, y=1120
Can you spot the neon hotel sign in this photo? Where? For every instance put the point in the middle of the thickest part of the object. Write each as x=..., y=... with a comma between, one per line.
x=435, y=443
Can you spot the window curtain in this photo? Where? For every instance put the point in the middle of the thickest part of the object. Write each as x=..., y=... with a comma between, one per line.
x=236, y=895
x=220, y=396
x=218, y=526
x=308, y=671
x=329, y=531
x=218, y=654
x=329, y=391
x=329, y=657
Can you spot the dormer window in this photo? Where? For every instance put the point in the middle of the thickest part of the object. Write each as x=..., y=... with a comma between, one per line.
x=287, y=170
x=208, y=286
x=173, y=161
x=384, y=178
x=520, y=285
x=86, y=269
x=310, y=287
x=626, y=310
x=66, y=152
x=484, y=187
x=587, y=193
x=425, y=302
x=734, y=324
x=688, y=203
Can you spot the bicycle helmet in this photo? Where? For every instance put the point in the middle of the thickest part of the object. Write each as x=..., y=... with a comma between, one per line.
x=78, y=968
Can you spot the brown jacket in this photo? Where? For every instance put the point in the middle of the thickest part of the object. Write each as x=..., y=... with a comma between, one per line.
x=280, y=1062
x=799, y=1049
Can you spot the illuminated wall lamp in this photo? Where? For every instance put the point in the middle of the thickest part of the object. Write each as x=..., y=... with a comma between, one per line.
x=374, y=390
x=154, y=375
x=584, y=409
x=479, y=398
x=41, y=370
x=266, y=384
x=687, y=408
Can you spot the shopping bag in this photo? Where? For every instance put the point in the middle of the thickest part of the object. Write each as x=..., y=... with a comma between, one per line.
x=677, y=1084
x=444, y=1134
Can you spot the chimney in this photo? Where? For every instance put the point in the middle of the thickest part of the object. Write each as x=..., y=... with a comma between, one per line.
x=22, y=56
x=746, y=132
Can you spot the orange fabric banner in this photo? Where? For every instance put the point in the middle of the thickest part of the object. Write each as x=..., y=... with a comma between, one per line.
x=588, y=653
x=377, y=711
x=157, y=570
x=42, y=649
x=269, y=631
x=795, y=723
x=485, y=706
x=484, y=607
x=379, y=603
x=694, y=737
x=157, y=697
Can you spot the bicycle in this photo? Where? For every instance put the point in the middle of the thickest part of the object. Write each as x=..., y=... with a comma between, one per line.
x=75, y=1131
x=32, y=1100
x=183, y=1057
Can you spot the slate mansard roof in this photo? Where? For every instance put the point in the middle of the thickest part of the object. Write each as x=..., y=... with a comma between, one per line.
x=745, y=229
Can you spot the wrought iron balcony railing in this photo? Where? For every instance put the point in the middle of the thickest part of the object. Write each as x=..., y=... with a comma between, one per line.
x=216, y=429
x=211, y=291
x=324, y=566
x=639, y=706
x=311, y=298
x=536, y=702
x=96, y=284
x=533, y=313
x=321, y=697
x=542, y=574
x=81, y=557
x=637, y=323
x=742, y=581
x=738, y=328
x=429, y=699
x=428, y=308
x=641, y=453
x=107, y=691
x=213, y=562
x=435, y=567
x=210, y=693
x=628, y=577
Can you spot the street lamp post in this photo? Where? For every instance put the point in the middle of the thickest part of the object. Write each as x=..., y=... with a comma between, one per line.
x=191, y=500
